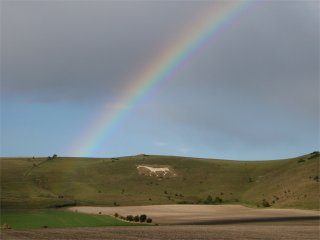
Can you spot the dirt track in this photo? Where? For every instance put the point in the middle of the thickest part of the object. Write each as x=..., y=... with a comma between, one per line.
x=204, y=214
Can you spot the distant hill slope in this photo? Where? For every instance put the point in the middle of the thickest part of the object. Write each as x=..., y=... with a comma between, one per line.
x=42, y=182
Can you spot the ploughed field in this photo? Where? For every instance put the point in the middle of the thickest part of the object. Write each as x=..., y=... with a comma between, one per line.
x=296, y=230
x=204, y=214
x=190, y=222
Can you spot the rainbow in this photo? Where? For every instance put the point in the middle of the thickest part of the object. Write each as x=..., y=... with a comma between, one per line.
x=163, y=66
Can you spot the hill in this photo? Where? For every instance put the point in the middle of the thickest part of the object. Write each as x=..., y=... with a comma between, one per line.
x=149, y=179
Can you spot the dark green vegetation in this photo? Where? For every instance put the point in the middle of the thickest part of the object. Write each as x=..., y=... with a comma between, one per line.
x=53, y=218
x=59, y=181
x=138, y=218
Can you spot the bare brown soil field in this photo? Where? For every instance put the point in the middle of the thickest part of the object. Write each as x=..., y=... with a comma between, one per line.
x=204, y=214
x=296, y=230
x=198, y=222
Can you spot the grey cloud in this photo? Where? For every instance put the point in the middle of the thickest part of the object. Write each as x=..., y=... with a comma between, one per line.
x=74, y=50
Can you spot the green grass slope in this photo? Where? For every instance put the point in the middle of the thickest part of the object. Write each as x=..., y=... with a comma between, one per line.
x=39, y=182
x=52, y=218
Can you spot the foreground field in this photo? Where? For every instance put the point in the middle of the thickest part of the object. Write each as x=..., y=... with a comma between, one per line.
x=254, y=231
x=52, y=218
x=205, y=214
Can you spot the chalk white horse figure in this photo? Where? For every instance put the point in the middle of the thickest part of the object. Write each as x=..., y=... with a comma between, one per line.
x=155, y=170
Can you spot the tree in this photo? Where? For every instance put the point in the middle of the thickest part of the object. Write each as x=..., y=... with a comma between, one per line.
x=54, y=156
x=143, y=218
x=149, y=220
x=136, y=218
x=129, y=218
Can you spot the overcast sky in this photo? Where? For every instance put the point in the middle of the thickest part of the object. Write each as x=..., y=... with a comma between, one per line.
x=251, y=93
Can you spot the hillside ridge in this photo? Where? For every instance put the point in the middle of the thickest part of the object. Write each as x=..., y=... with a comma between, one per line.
x=67, y=181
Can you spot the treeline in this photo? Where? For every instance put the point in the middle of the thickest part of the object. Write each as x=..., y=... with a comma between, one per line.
x=138, y=218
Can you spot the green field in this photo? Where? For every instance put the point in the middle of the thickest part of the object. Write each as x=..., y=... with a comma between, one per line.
x=42, y=183
x=52, y=218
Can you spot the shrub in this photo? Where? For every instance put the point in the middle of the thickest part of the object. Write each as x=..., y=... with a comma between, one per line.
x=314, y=155
x=209, y=200
x=136, y=218
x=143, y=218
x=129, y=218
x=149, y=220
x=218, y=200
x=116, y=215
x=265, y=203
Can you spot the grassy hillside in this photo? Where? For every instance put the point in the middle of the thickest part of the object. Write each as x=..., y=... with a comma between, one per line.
x=42, y=182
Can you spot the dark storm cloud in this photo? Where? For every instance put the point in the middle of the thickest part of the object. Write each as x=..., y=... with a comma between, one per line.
x=268, y=64
x=254, y=88
x=72, y=50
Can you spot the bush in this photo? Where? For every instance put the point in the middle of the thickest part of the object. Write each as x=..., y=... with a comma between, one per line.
x=218, y=200
x=116, y=215
x=136, y=218
x=143, y=218
x=129, y=218
x=209, y=200
x=265, y=203
x=149, y=220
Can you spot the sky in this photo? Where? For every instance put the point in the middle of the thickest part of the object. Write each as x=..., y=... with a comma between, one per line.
x=251, y=93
